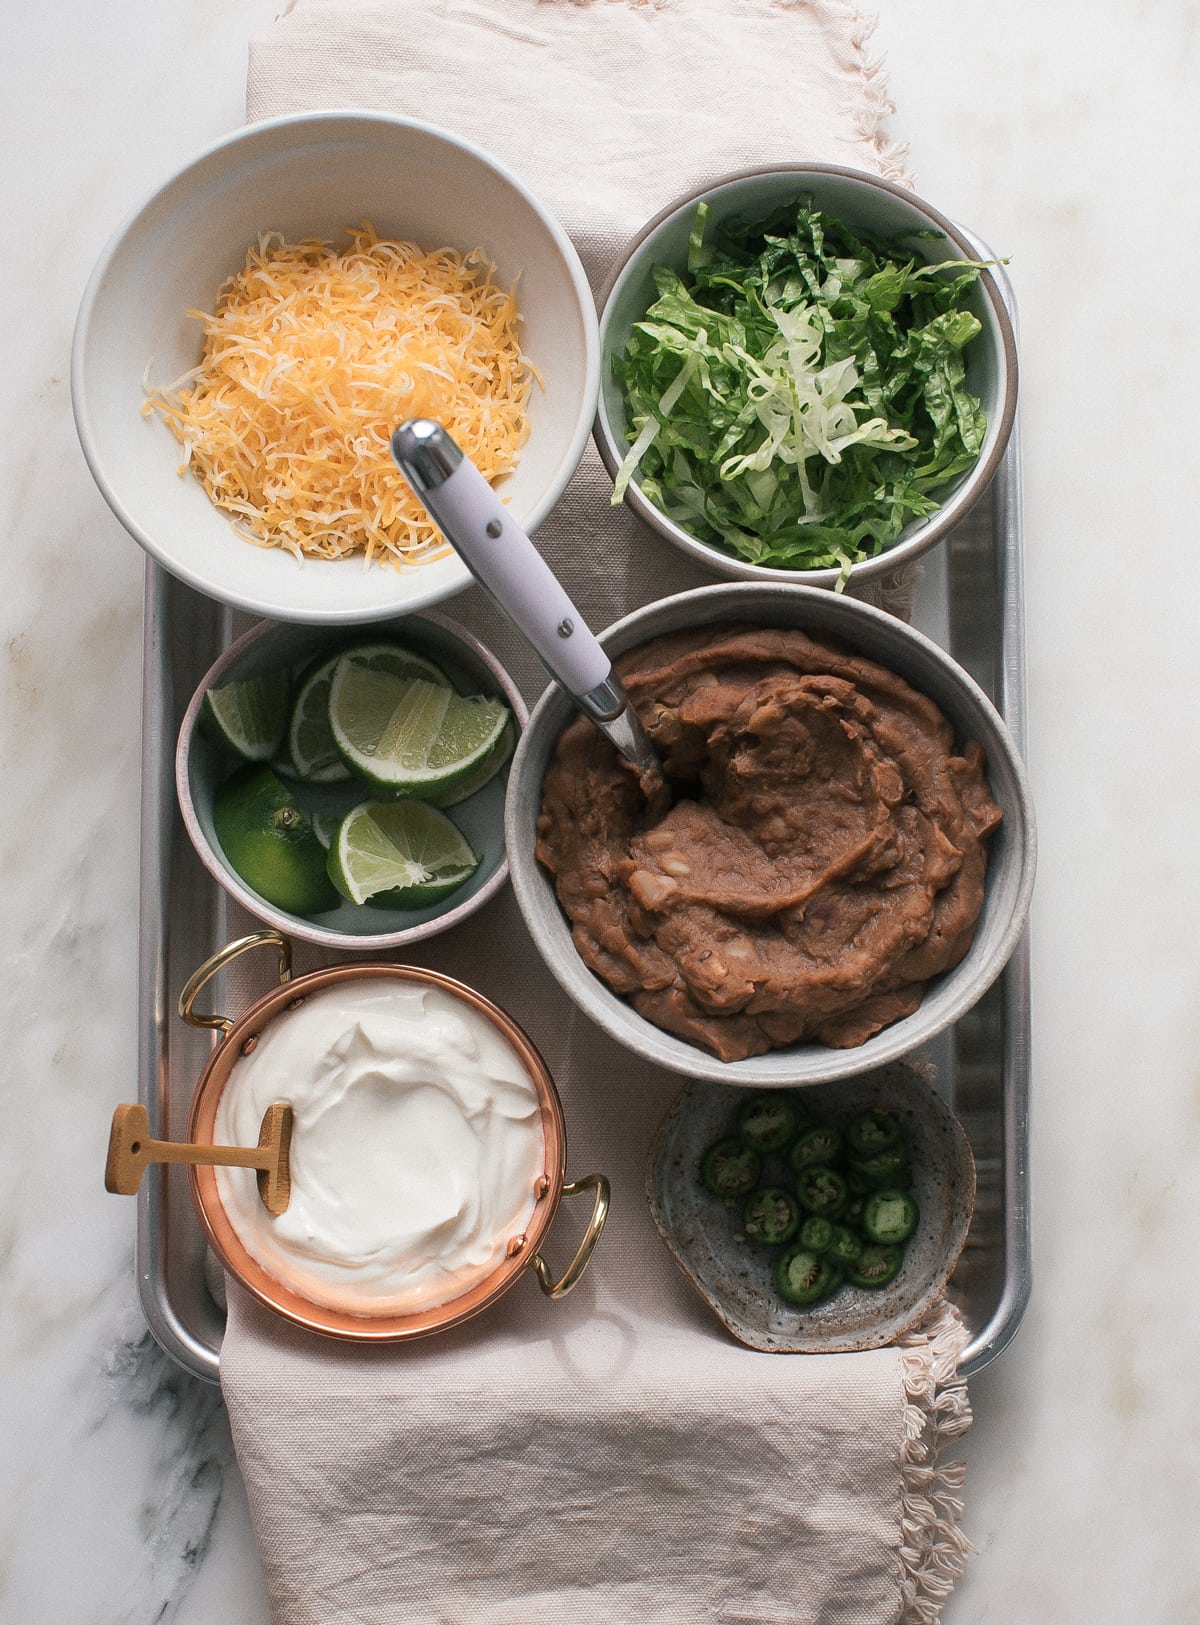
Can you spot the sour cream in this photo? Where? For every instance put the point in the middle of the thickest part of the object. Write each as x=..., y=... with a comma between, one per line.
x=417, y=1146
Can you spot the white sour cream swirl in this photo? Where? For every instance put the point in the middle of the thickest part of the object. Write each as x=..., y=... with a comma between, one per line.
x=416, y=1146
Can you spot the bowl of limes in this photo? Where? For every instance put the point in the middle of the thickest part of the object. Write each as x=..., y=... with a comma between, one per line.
x=347, y=785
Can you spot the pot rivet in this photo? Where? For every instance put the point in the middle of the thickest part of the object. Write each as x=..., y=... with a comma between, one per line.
x=541, y=1187
x=296, y=1003
x=250, y=1045
x=515, y=1246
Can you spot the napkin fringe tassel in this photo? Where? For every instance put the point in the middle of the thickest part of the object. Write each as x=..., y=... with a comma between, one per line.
x=933, y=1548
x=849, y=31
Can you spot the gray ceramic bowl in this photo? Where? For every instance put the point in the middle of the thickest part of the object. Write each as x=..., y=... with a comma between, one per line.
x=929, y=669
x=735, y=1277
x=200, y=768
x=860, y=200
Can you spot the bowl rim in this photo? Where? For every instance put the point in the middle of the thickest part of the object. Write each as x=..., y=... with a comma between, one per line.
x=247, y=136
x=294, y=925
x=930, y=531
x=550, y=932
x=388, y=1326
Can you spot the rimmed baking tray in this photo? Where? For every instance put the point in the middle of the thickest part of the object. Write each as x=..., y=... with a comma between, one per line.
x=970, y=598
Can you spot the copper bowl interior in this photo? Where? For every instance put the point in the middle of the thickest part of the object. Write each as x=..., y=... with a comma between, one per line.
x=276, y=1294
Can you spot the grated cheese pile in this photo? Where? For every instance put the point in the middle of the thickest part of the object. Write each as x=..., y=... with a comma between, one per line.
x=312, y=357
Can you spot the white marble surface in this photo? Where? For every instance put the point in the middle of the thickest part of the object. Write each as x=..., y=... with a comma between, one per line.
x=1064, y=135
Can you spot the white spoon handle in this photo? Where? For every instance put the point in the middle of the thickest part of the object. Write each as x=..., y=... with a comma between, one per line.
x=499, y=554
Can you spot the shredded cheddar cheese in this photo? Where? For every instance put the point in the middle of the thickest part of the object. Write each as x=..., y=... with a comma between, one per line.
x=312, y=357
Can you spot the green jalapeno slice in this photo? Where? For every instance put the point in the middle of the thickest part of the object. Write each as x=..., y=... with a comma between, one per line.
x=889, y=1216
x=875, y=1266
x=805, y=1277
x=730, y=1168
x=872, y=1132
x=769, y=1122
x=817, y=1147
x=771, y=1215
x=816, y=1234
x=844, y=1245
x=885, y=1168
x=822, y=1191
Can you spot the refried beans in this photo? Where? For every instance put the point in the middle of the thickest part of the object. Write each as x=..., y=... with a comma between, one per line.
x=823, y=856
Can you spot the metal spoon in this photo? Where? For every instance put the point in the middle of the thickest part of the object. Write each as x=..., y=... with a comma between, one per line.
x=515, y=575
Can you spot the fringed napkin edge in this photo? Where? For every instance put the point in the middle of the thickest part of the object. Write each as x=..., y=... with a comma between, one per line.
x=933, y=1549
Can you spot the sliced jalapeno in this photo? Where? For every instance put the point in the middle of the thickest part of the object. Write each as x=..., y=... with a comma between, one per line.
x=822, y=1191
x=817, y=1147
x=730, y=1168
x=769, y=1122
x=889, y=1216
x=885, y=1168
x=875, y=1266
x=871, y=1132
x=771, y=1215
x=816, y=1234
x=804, y=1277
x=844, y=1245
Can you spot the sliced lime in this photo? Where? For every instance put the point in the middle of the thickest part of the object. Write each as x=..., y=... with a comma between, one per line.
x=483, y=773
x=312, y=754
x=325, y=827
x=270, y=843
x=399, y=854
x=247, y=717
x=411, y=736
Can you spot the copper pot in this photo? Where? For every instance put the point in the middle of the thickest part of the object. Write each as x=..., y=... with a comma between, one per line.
x=241, y=1036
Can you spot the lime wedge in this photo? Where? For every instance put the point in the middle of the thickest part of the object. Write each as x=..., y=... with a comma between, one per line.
x=410, y=736
x=312, y=754
x=483, y=773
x=399, y=854
x=247, y=718
x=311, y=746
x=268, y=840
x=325, y=827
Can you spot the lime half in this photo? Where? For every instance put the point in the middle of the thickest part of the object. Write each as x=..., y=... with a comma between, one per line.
x=399, y=854
x=268, y=840
x=248, y=717
x=411, y=736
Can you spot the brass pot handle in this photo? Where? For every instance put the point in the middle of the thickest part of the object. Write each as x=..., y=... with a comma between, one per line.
x=559, y=1289
x=217, y=962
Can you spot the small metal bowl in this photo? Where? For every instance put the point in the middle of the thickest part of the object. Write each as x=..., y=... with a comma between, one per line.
x=868, y=203
x=201, y=768
x=930, y=670
x=240, y=1035
x=734, y=1276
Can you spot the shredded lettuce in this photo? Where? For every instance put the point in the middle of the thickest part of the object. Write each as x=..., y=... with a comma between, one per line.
x=798, y=396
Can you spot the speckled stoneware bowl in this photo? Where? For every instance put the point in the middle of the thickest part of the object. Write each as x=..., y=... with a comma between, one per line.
x=890, y=642
x=734, y=1275
x=863, y=201
x=200, y=769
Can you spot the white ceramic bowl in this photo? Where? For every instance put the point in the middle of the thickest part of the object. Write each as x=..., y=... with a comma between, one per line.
x=891, y=643
x=201, y=768
x=860, y=200
x=314, y=175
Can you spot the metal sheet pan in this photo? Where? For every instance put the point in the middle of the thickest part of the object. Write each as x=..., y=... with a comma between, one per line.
x=970, y=599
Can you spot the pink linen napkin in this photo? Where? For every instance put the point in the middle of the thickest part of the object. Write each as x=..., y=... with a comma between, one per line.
x=614, y=1453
